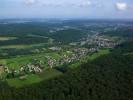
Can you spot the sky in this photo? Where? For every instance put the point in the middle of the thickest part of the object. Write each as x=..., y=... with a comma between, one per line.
x=95, y=9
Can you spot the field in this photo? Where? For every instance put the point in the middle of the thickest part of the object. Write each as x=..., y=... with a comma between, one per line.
x=7, y=38
x=98, y=54
x=14, y=47
x=32, y=78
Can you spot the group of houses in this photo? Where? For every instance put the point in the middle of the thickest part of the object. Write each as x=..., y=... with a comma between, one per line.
x=99, y=42
x=104, y=43
x=77, y=54
x=23, y=70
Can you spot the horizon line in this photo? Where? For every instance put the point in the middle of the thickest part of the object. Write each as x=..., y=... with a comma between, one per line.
x=28, y=18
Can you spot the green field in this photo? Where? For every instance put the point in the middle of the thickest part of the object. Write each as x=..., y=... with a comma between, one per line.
x=7, y=38
x=20, y=46
x=49, y=73
x=98, y=54
x=22, y=60
x=129, y=54
x=32, y=78
x=75, y=65
x=14, y=46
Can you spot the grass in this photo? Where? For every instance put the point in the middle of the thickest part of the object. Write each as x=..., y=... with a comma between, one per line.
x=130, y=54
x=50, y=73
x=33, y=35
x=53, y=55
x=14, y=47
x=50, y=41
x=68, y=53
x=75, y=65
x=16, y=62
x=23, y=60
x=2, y=61
x=113, y=38
x=7, y=38
x=98, y=54
x=30, y=79
x=21, y=46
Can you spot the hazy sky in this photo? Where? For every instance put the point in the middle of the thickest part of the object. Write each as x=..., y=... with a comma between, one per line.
x=66, y=9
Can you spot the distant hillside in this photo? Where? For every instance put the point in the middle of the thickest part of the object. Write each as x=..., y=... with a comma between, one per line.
x=23, y=29
x=122, y=32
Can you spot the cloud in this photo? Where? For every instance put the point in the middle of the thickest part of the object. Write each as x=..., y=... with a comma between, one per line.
x=30, y=2
x=121, y=6
x=84, y=4
x=65, y=3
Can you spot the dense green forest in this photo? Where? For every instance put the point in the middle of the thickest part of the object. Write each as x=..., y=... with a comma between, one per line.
x=122, y=32
x=109, y=77
x=24, y=40
x=67, y=36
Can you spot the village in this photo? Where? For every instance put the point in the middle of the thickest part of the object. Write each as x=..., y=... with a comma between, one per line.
x=76, y=54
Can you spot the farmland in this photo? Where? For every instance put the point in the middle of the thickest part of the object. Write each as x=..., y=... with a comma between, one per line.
x=34, y=52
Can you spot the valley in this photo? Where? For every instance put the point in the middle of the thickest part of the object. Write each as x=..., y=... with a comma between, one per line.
x=27, y=53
